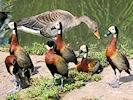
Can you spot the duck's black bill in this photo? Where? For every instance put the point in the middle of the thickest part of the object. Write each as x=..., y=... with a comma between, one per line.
x=53, y=27
x=7, y=28
x=107, y=34
x=79, y=52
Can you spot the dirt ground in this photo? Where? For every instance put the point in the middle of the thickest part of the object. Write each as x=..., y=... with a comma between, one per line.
x=92, y=90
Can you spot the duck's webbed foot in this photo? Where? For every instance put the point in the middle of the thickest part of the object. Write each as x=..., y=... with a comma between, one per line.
x=16, y=89
x=114, y=84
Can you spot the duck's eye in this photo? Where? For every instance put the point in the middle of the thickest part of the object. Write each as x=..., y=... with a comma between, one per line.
x=95, y=31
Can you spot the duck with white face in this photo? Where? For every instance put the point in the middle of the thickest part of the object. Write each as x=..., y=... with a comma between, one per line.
x=13, y=68
x=87, y=64
x=55, y=63
x=116, y=59
x=22, y=57
x=62, y=49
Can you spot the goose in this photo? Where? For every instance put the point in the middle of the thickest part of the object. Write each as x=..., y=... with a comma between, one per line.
x=41, y=24
x=115, y=57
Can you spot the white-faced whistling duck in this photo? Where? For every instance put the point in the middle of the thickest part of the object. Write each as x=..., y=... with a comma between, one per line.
x=66, y=52
x=55, y=63
x=40, y=24
x=23, y=58
x=116, y=58
x=13, y=68
x=87, y=64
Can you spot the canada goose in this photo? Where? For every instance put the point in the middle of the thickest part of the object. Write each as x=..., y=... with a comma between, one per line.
x=23, y=58
x=66, y=52
x=55, y=63
x=116, y=58
x=87, y=64
x=41, y=24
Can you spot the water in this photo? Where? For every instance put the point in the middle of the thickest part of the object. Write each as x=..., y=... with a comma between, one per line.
x=104, y=12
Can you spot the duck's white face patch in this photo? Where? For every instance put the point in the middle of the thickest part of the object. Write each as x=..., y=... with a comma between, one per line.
x=11, y=25
x=57, y=25
x=83, y=48
x=112, y=29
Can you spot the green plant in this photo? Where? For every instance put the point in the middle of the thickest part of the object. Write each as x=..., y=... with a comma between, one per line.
x=37, y=48
x=16, y=96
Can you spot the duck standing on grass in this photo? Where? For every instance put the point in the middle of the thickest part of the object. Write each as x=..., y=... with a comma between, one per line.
x=87, y=64
x=66, y=52
x=22, y=57
x=41, y=24
x=55, y=63
x=116, y=58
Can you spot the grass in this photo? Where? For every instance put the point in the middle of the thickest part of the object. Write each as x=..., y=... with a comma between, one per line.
x=38, y=91
x=16, y=96
x=37, y=49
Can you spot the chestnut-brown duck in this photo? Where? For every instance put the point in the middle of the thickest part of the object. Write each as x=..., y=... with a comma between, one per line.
x=116, y=58
x=87, y=64
x=55, y=63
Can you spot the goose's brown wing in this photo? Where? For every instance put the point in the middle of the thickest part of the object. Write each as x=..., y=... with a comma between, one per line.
x=42, y=20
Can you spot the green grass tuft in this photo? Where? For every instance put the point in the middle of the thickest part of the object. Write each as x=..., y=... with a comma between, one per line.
x=37, y=49
x=16, y=96
x=75, y=80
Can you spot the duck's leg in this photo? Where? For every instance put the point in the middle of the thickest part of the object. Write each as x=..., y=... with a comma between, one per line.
x=116, y=83
x=52, y=84
x=61, y=87
x=17, y=86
